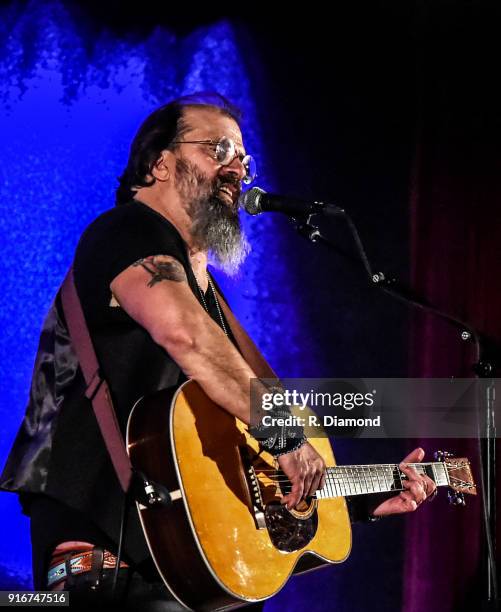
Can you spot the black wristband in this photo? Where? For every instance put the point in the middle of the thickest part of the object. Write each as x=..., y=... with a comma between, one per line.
x=284, y=435
x=291, y=445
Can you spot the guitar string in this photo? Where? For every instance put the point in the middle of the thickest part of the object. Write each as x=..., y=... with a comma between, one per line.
x=344, y=476
x=334, y=487
x=386, y=486
x=339, y=477
x=373, y=465
x=336, y=491
x=380, y=479
x=338, y=474
x=329, y=476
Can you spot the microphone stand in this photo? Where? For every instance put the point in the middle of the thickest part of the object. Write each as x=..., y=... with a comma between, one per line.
x=488, y=358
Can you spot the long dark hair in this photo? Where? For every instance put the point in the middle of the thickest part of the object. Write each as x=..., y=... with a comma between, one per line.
x=157, y=133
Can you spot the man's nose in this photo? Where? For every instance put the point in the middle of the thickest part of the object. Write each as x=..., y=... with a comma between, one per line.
x=236, y=168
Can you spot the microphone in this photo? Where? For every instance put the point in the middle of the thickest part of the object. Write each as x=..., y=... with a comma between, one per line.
x=256, y=201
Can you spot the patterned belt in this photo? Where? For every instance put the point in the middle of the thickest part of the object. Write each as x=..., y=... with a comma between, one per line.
x=79, y=562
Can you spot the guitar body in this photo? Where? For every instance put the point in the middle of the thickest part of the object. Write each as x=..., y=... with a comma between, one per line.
x=225, y=540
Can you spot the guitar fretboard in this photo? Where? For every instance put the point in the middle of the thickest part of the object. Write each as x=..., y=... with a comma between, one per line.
x=345, y=480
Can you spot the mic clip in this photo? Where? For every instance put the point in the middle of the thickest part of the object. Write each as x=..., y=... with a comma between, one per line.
x=305, y=226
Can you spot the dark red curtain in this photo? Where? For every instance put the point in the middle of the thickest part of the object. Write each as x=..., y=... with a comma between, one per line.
x=455, y=257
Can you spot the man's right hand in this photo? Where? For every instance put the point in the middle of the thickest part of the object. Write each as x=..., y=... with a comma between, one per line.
x=305, y=469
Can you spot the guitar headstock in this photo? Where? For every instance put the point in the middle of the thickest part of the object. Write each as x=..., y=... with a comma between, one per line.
x=458, y=473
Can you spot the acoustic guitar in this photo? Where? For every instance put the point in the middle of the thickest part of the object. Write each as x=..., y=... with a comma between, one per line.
x=212, y=519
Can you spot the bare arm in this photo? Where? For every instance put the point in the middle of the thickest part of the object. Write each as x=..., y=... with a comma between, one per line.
x=155, y=292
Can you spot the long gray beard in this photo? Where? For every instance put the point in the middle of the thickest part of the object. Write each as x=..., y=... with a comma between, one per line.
x=216, y=227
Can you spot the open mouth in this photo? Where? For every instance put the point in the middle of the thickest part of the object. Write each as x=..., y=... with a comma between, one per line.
x=230, y=192
x=227, y=191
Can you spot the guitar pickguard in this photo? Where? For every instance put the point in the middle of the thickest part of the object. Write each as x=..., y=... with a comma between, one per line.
x=287, y=532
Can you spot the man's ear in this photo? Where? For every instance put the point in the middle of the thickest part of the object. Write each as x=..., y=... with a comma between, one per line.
x=164, y=168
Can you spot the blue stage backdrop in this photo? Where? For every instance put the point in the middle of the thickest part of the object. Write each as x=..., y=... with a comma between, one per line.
x=70, y=105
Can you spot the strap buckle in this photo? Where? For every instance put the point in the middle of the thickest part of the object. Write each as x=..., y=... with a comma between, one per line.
x=94, y=385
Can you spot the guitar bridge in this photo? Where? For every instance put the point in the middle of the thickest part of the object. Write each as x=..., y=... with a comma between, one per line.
x=253, y=488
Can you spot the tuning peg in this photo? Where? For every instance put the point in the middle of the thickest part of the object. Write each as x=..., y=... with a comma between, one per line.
x=456, y=498
x=442, y=455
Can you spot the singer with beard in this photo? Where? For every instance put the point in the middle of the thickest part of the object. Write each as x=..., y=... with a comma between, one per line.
x=153, y=313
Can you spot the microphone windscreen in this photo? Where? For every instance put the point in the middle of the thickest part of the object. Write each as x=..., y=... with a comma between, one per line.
x=250, y=200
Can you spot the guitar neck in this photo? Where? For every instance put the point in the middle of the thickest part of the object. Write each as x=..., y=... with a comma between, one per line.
x=343, y=480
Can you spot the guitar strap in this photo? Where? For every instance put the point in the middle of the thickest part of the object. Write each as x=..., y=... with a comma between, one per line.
x=249, y=350
x=97, y=389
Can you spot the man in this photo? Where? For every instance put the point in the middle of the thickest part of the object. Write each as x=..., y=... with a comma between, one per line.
x=155, y=320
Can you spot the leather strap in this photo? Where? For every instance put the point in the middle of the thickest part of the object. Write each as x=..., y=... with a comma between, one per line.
x=96, y=568
x=97, y=388
x=70, y=580
x=249, y=350
x=75, y=563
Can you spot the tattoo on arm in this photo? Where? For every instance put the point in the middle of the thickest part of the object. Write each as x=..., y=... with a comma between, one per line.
x=162, y=267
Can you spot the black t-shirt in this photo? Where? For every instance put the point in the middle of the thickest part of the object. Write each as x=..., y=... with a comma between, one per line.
x=83, y=499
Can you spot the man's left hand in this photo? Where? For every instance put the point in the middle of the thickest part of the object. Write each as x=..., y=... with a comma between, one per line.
x=418, y=487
